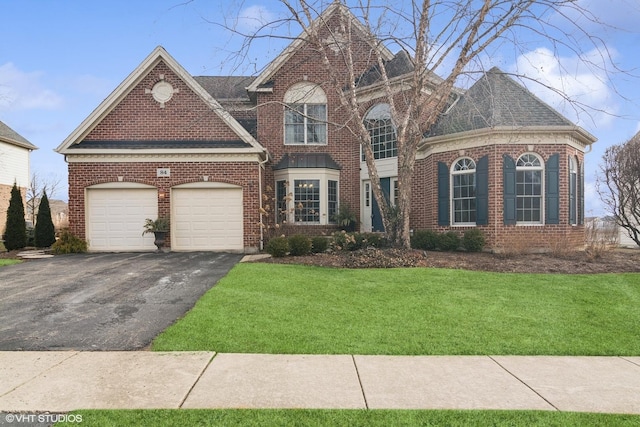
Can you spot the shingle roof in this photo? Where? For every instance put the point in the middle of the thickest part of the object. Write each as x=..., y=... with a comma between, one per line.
x=225, y=87
x=497, y=100
x=400, y=64
x=306, y=160
x=141, y=145
x=9, y=135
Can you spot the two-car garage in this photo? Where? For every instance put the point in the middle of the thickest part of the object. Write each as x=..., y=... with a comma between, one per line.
x=204, y=217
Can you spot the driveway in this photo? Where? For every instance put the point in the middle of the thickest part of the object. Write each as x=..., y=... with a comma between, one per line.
x=115, y=301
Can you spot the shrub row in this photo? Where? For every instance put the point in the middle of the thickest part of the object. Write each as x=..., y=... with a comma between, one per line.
x=299, y=245
x=472, y=241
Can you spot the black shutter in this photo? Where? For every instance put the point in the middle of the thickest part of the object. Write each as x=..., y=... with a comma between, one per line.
x=443, y=194
x=509, y=189
x=573, y=189
x=552, y=190
x=482, y=191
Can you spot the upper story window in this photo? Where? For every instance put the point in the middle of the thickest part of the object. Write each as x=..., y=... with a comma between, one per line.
x=382, y=131
x=529, y=189
x=305, y=116
x=463, y=194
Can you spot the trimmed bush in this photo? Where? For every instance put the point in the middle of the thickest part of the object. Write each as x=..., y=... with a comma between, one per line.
x=319, y=244
x=299, y=245
x=449, y=241
x=374, y=240
x=69, y=244
x=473, y=240
x=277, y=247
x=426, y=240
x=16, y=227
x=45, y=233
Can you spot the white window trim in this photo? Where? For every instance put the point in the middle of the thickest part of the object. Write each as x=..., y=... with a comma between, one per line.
x=542, y=189
x=304, y=124
x=452, y=173
x=322, y=175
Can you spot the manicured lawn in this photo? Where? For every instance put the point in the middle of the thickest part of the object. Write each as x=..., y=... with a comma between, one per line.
x=4, y=262
x=268, y=308
x=231, y=417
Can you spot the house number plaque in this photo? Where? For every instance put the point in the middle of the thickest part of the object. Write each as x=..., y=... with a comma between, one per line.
x=163, y=172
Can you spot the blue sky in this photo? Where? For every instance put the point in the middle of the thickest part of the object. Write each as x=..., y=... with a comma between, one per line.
x=60, y=59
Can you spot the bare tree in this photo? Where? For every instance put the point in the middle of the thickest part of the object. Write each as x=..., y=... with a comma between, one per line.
x=618, y=185
x=38, y=186
x=445, y=41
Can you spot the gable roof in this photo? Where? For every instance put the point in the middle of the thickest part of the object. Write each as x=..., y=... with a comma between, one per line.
x=12, y=137
x=496, y=100
x=399, y=65
x=159, y=54
x=263, y=79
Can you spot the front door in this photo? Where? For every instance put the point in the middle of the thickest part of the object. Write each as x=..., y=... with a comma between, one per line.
x=376, y=216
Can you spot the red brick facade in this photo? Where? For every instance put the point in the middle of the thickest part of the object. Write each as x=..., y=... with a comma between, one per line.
x=138, y=117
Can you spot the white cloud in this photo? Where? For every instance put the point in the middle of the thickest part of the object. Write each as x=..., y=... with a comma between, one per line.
x=591, y=15
x=253, y=18
x=21, y=90
x=580, y=89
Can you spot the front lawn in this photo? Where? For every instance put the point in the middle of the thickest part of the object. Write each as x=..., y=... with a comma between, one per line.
x=8, y=261
x=270, y=308
x=315, y=417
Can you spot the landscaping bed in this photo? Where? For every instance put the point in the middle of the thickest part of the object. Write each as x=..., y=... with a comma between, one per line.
x=612, y=261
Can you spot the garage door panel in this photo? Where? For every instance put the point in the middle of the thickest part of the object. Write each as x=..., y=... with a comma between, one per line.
x=115, y=218
x=207, y=219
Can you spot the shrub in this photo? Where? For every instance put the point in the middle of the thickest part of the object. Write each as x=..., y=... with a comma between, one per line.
x=16, y=227
x=299, y=245
x=375, y=240
x=449, y=241
x=277, y=247
x=473, y=240
x=343, y=241
x=319, y=244
x=68, y=244
x=45, y=233
x=426, y=240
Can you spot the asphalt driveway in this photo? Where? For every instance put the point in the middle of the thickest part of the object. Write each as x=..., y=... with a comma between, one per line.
x=115, y=301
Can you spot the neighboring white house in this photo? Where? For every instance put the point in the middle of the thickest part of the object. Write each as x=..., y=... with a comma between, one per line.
x=14, y=167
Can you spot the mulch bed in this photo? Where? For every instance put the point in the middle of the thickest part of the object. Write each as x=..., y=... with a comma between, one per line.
x=613, y=261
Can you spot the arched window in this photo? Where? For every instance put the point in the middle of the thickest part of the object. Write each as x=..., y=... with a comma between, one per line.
x=463, y=191
x=382, y=131
x=305, y=116
x=573, y=190
x=529, y=189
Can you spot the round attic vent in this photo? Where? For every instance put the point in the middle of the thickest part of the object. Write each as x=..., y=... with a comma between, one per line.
x=162, y=91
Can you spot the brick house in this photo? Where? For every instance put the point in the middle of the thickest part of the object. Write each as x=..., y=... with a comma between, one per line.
x=212, y=152
x=14, y=167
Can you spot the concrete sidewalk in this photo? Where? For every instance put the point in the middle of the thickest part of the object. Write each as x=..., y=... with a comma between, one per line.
x=63, y=381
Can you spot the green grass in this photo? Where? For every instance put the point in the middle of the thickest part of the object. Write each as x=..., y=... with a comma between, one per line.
x=301, y=417
x=4, y=262
x=268, y=308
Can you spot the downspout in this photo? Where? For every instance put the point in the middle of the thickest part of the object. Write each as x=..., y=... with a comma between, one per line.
x=260, y=167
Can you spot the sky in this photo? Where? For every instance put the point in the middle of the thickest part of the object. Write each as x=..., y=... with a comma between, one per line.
x=59, y=59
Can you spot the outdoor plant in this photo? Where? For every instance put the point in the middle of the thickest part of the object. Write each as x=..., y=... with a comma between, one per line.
x=159, y=225
x=427, y=240
x=16, y=228
x=45, y=233
x=299, y=245
x=346, y=218
x=68, y=243
x=449, y=241
x=473, y=240
x=319, y=244
x=277, y=246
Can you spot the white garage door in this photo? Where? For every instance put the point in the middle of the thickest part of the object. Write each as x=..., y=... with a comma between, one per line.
x=207, y=219
x=115, y=218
